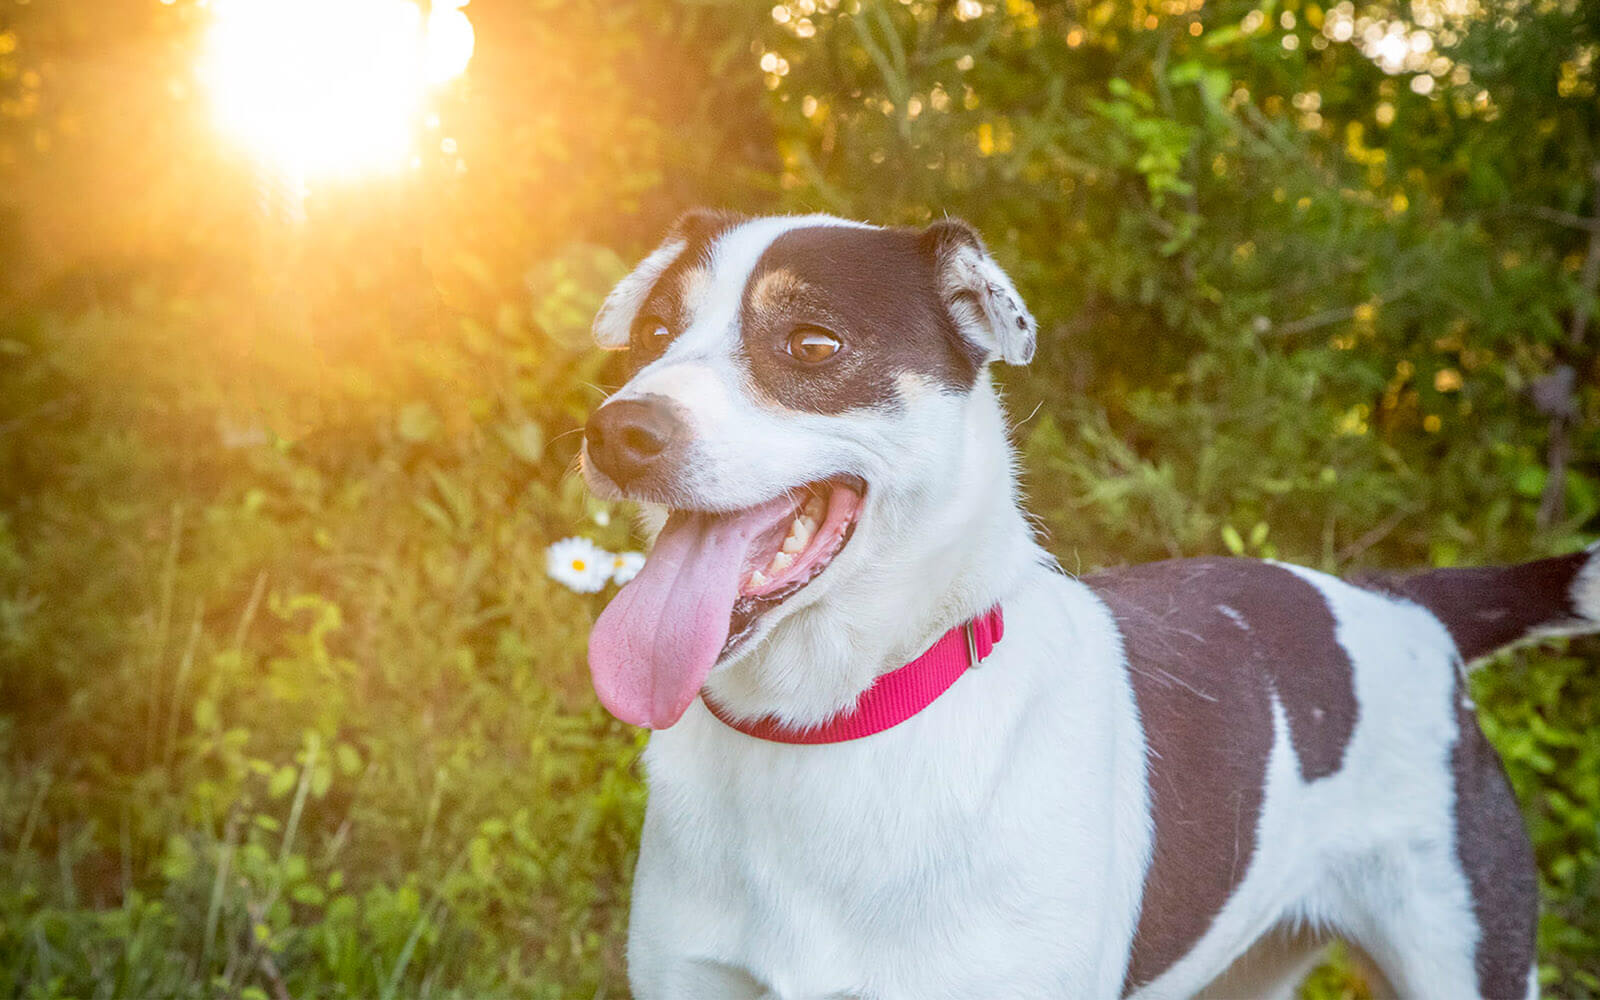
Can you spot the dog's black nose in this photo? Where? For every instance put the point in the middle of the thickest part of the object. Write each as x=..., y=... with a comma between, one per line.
x=630, y=438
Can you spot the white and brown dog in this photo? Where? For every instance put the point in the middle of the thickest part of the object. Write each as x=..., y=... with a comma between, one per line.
x=1170, y=780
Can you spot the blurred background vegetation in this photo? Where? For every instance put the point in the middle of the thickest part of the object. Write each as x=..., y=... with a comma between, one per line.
x=288, y=706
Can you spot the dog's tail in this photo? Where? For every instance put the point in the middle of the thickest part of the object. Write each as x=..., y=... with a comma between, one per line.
x=1488, y=608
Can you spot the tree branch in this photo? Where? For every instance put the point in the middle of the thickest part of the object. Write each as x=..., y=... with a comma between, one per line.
x=1328, y=317
x=1561, y=218
x=1590, y=278
x=1553, y=503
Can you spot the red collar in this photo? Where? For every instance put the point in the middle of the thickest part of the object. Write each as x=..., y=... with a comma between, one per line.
x=894, y=697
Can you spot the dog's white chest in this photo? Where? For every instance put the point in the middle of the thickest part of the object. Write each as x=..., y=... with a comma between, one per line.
x=887, y=867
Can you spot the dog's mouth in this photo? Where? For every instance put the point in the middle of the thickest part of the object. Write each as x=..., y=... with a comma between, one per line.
x=794, y=551
x=709, y=580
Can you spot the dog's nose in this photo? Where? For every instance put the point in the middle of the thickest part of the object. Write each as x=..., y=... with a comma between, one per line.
x=630, y=438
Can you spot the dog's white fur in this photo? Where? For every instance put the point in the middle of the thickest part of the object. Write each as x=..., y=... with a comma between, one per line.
x=996, y=844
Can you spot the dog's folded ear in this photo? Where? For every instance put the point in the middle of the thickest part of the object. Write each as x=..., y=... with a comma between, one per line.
x=614, y=322
x=981, y=298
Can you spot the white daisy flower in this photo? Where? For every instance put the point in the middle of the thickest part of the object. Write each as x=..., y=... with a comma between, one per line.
x=625, y=566
x=578, y=564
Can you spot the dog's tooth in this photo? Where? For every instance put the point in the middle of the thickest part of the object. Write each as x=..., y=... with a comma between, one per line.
x=781, y=562
x=799, y=535
x=758, y=579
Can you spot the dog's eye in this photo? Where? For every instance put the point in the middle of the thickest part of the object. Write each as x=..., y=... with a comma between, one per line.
x=812, y=344
x=648, y=329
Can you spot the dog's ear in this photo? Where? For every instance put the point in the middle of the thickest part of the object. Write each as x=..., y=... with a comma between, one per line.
x=981, y=299
x=614, y=322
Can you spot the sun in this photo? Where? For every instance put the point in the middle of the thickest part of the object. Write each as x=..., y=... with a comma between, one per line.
x=330, y=87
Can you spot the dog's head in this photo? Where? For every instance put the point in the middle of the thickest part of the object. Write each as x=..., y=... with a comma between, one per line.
x=794, y=421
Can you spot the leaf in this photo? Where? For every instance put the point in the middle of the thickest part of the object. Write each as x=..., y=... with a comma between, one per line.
x=1230, y=538
x=206, y=718
x=1530, y=481
x=417, y=423
x=349, y=760
x=524, y=440
x=282, y=781
x=179, y=860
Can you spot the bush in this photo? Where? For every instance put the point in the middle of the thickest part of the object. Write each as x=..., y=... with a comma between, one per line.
x=291, y=706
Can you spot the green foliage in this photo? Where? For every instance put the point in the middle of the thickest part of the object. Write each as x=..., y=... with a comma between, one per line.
x=310, y=706
x=290, y=704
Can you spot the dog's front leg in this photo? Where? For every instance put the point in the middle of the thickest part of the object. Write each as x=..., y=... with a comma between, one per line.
x=681, y=938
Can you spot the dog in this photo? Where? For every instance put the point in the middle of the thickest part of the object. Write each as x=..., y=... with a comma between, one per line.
x=898, y=753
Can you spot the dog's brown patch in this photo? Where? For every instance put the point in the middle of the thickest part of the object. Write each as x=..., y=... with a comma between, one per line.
x=877, y=290
x=1212, y=645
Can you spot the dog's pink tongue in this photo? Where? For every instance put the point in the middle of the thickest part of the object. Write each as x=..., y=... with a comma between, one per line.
x=654, y=644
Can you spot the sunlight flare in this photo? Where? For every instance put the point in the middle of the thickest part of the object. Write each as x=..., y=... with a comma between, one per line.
x=330, y=87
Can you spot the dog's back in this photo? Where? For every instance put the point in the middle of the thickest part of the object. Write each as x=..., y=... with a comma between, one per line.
x=1310, y=744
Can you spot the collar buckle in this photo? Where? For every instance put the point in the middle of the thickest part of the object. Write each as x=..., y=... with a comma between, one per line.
x=973, y=659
